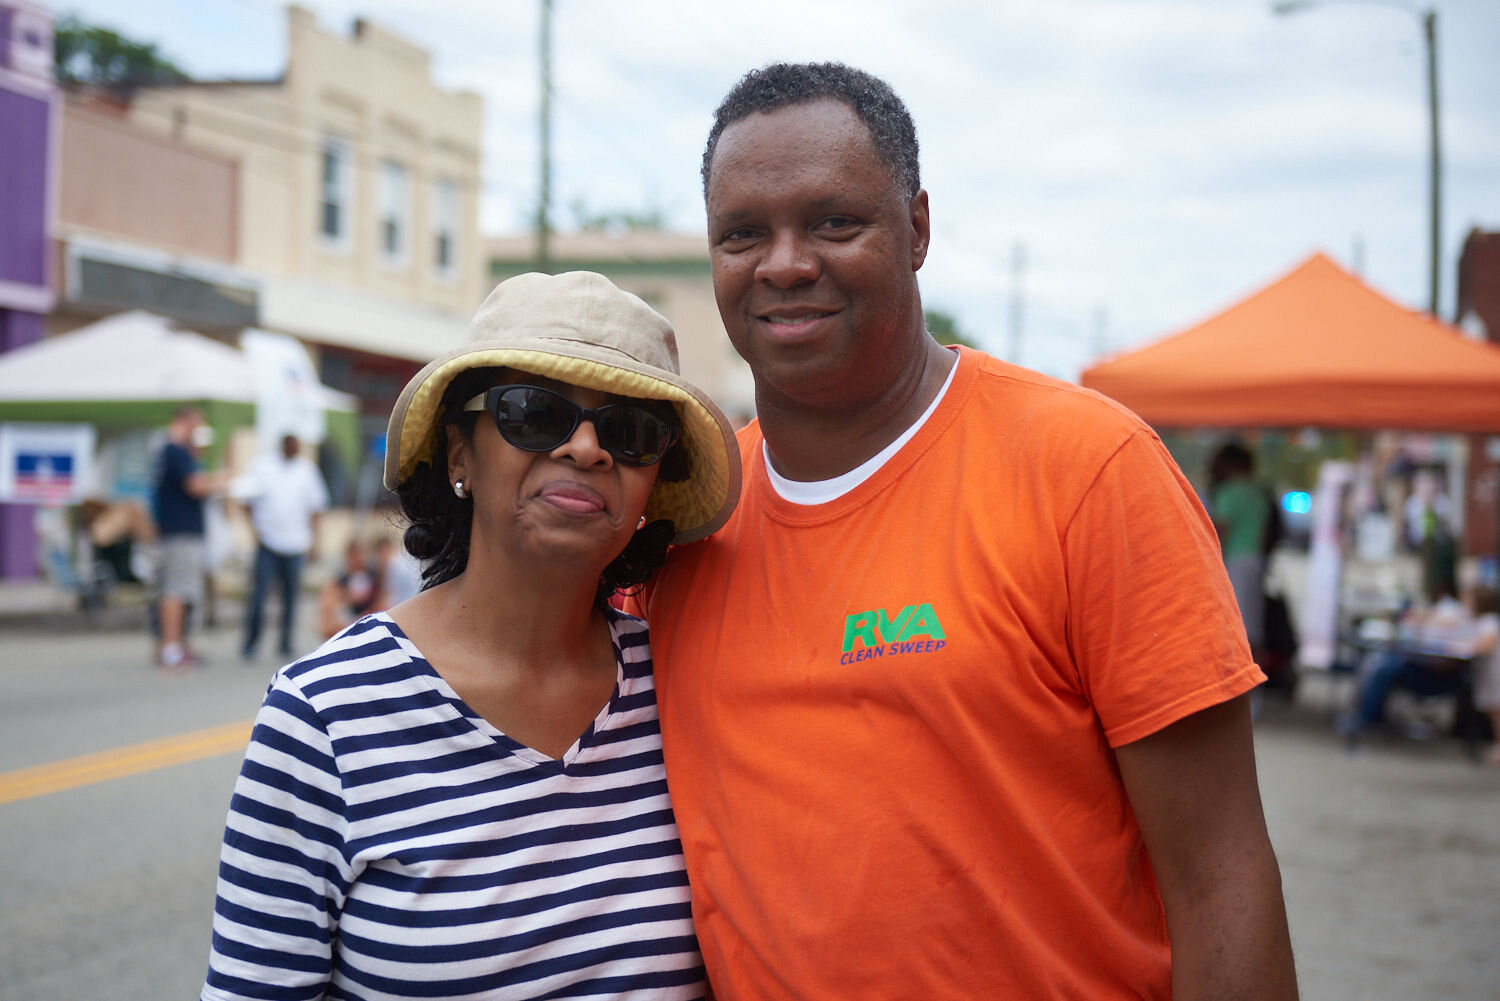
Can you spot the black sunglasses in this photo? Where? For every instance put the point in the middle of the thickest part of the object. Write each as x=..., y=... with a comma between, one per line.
x=538, y=420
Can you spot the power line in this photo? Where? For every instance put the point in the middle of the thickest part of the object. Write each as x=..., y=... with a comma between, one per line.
x=306, y=140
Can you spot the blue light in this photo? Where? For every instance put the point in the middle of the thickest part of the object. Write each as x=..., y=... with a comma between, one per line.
x=1296, y=502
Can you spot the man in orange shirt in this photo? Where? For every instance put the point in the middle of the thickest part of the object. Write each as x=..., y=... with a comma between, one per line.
x=955, y=705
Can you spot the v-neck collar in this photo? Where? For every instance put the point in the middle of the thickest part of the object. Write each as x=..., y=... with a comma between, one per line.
x=580, y=750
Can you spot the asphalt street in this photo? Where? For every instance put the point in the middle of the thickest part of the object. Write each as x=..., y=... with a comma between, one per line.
x=1390, y=855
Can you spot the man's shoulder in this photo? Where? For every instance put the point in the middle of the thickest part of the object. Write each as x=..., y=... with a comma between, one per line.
x=176, y=459
x=308, y=470
x=1025, y=391
x=1024, y=410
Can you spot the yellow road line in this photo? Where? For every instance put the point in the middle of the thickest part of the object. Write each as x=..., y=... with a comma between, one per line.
x=87, y=769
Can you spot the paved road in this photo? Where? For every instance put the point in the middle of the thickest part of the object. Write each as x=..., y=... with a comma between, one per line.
x=108, y=887
x=1390, y=857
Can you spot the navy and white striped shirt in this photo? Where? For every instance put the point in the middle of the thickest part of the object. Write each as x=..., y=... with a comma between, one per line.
x=384, y=841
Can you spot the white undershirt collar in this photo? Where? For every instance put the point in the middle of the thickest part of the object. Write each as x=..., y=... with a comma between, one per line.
x=822, y=491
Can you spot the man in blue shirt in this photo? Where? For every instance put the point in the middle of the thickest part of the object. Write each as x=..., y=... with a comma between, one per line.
x=178, y=507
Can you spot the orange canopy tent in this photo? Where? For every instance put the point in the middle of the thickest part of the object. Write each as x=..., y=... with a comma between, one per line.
x=1316, y=348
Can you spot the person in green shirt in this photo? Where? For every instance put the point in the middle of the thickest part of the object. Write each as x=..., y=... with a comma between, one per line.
x=1241, y=512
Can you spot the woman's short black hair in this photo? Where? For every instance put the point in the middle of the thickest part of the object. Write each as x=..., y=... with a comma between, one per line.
x=439, y=522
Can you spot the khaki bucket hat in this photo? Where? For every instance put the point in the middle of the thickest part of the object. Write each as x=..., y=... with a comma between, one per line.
x=579, y=328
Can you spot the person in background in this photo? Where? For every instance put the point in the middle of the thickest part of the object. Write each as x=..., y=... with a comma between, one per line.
x=956, y=704
x=178, y=507
x=1427, y=509
x=400, y=575
x=463, y=797
x=1441, y=644
x=1241, y=511
x=352, y=594
x=116, y=530
x=1486, y=602
x=285, y=495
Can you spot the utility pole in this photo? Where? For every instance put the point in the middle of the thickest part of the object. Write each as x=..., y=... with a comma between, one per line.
x=1099, y=343
x=544, y=200
x=1017, y=302
x=1428, y=19
x=1435, y=167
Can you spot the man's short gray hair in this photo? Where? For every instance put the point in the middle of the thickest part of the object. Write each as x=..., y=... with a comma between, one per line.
x=780, y=85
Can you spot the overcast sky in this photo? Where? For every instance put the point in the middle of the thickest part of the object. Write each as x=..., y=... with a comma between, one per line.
x=1148, y=161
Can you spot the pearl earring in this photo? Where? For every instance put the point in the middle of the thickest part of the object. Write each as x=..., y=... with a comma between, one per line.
x=458, y=489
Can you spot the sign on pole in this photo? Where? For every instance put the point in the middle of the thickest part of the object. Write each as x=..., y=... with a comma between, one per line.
x=1319, y=624
x=288, y=394
x=45, y=463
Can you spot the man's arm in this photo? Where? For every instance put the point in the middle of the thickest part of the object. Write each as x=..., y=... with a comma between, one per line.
x=1193, y=788
x=312, y=550
x=201, y=484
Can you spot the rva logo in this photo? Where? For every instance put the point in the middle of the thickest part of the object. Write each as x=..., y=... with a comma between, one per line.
x=881, y=636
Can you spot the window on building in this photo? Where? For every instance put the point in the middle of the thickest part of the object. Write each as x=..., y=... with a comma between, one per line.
x=336, y=193
x=395, y=212
x=445, y=227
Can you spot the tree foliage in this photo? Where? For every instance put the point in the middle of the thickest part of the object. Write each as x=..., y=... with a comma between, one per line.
x=87, y=54
x=617, y=222
x=944, y=328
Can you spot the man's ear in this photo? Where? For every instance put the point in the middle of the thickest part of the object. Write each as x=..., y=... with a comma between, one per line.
x=921, y=229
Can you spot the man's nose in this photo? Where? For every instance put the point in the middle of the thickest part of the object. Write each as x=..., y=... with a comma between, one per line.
x=789, y=261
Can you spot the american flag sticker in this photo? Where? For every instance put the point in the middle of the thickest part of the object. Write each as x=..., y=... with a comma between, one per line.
x=47, y=464
x=43, y=476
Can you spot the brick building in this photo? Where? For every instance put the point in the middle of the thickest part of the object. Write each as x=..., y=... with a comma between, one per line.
x=1478, y=311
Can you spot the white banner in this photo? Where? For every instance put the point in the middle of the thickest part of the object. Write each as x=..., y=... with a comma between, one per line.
x=288, y=395
x=1319, y=625
x=46, y=463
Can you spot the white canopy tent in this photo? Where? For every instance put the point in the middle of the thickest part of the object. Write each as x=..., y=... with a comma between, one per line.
x=131, y=371
x=135, y=356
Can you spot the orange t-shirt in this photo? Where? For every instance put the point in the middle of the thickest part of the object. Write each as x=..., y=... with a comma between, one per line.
x=888, y=718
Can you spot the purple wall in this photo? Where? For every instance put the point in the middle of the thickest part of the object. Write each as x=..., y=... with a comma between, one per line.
x=19, y=328
x=18, y=556
x=25, y=240
x=24, y=121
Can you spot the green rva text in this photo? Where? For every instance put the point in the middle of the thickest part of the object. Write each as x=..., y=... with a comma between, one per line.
x=880, y=635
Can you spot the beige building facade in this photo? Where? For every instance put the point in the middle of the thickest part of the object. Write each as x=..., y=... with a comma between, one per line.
x=337, y=203
x=670, y=271
x=358, y=189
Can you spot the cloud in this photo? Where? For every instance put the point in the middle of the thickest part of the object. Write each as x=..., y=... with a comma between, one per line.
x=1155, y=158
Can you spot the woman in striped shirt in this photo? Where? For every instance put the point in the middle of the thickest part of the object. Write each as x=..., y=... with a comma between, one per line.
x=464, y=797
